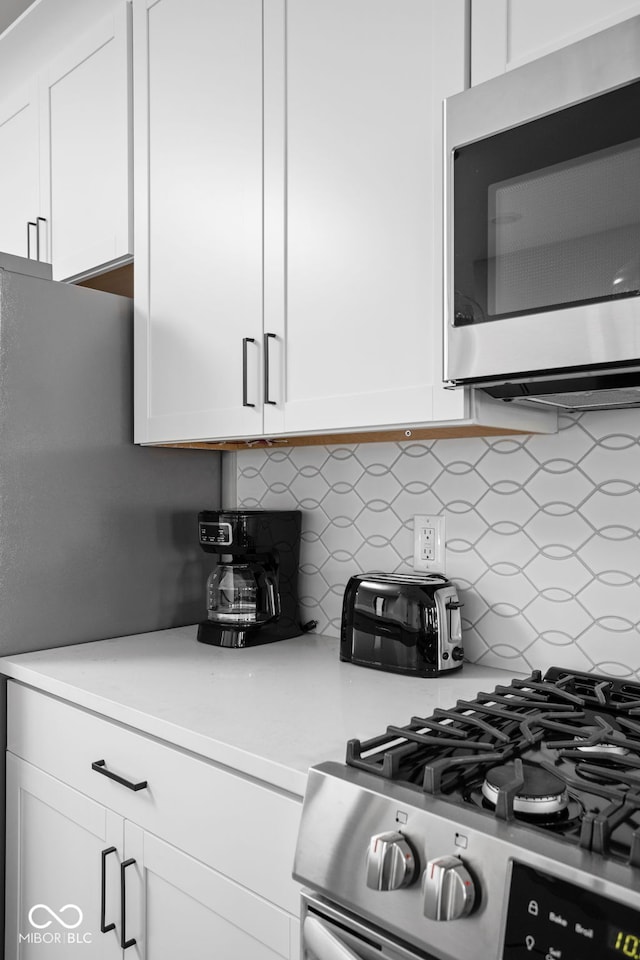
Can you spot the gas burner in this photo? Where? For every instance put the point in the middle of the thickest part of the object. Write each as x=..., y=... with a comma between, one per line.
x=541, y=793
x=564, y=822
x=593, y=739
x=612, y=749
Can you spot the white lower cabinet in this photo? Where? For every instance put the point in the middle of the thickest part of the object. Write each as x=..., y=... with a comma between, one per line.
x=185, y=909
x=55, y=840
x=85, y=869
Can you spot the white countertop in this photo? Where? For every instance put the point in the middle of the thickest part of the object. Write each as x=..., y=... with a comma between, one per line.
x=269, y=712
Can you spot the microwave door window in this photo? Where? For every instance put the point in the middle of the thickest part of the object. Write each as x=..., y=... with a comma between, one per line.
x=568, y=234
x=547, y=215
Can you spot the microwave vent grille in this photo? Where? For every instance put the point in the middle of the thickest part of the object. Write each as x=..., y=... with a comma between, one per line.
x=616, y=399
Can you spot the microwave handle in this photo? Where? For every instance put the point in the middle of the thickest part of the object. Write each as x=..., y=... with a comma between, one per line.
x=322, y=943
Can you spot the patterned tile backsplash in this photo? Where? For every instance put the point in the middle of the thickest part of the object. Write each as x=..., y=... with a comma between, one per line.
x=542, y=533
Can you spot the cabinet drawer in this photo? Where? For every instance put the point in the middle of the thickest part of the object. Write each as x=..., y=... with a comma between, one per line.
x=241, y=828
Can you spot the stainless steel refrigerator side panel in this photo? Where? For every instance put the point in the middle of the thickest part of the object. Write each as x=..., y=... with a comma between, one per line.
x=98, y=537
x=594, y=334
x=30, y=268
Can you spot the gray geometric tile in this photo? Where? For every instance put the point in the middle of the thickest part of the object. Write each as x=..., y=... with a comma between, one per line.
x=598, y=553
x=514, y=462
x=558, y=523
x=546, y=570
x=493, y=586
x=543, y=533
x=516, y=547
x=381, y=488
x=505, y=502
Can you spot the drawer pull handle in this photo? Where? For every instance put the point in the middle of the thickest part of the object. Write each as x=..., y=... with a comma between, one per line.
x=104, y=926
x=100, y=767
x=124, y=943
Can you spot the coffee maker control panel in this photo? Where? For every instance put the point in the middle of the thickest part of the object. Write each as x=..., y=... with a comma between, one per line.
x=216, y=533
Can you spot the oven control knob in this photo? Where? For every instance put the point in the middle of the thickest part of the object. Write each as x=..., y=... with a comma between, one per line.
x=391, y=863
x=449, y=891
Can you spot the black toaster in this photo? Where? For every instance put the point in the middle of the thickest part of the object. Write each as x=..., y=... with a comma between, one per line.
x=405, y=623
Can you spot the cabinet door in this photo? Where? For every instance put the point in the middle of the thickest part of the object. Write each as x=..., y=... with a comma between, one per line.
x=360, y=345
x=19, y=179
x=181, y=908
x=507, y=33
x=198, y=169
x=55, y=841
x=86, y=150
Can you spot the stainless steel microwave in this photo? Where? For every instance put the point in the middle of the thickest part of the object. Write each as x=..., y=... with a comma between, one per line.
x=542, y=221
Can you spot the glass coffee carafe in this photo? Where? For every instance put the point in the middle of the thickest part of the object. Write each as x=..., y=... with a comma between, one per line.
x=242, y=592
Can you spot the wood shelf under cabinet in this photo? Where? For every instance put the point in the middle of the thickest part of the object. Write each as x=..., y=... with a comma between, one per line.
x=118, y=281
x=377, y=436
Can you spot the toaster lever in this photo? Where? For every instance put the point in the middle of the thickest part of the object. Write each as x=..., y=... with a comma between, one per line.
x=454, y=605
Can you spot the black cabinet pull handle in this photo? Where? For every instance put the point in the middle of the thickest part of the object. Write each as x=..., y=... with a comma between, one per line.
x=124, y=943
x=100, y=767
x=30, y=223
x=267, y=337
x=104, y=926
x=245, y=341
x=39, y=220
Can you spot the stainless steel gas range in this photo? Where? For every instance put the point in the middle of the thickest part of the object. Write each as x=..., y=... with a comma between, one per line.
x=506, y=828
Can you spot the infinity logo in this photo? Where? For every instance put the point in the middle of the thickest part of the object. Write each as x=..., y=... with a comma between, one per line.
x=56, y=916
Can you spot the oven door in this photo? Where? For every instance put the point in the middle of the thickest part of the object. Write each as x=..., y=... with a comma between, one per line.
x=543, y=215
x=329, y=933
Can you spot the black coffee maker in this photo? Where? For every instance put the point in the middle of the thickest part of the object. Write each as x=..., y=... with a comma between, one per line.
x=252, y=592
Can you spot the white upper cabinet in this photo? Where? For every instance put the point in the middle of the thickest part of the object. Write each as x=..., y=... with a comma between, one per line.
x=65, y=145
x=199, y=243
x=289, y=218
x=86, y=150
x=358, y=342
x=508, y=33
x=19, y=171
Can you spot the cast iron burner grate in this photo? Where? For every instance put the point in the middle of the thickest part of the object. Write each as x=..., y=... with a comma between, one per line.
x=576, y=731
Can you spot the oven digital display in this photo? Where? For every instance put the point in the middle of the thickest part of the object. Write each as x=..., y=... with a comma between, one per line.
x=623, y=943
x=551, y=919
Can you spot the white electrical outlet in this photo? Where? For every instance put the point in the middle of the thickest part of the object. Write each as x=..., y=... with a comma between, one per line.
x=428, y=543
